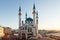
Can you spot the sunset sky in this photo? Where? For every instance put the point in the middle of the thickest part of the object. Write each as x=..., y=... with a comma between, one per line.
x=48, y=10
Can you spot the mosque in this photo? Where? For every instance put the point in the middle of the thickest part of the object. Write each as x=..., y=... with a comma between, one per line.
x=29, y=29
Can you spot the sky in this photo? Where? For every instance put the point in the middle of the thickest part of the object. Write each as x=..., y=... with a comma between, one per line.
x=48, y=10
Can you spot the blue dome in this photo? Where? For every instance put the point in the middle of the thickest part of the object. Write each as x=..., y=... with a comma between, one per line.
x=29, y=19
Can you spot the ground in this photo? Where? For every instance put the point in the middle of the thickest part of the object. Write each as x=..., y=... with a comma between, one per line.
x=28, y=39
x=12, y=37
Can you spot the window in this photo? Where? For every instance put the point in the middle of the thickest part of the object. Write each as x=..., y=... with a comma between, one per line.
x=31, y=25
x=25, y=27
x=29, y=29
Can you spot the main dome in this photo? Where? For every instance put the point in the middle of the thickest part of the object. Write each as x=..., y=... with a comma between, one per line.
x=29, y=19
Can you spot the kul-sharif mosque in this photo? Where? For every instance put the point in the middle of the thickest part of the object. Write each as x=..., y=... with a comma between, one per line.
x=29, y=29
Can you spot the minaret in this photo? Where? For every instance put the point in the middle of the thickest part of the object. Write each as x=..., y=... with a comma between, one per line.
x=26, y=15
x=37, y=23
x=22, y=22
x=19, y=17
x=34, y=14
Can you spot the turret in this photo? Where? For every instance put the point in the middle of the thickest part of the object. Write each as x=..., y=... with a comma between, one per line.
x=20, y=16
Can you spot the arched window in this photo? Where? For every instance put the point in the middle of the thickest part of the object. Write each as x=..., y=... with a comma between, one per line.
x=31, y=25
x=29, y=29
x=25, y=27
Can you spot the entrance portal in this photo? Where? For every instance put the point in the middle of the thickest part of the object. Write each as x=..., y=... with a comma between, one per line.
x=23, y=36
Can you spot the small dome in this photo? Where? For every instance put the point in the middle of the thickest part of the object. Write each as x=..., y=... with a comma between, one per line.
x=29, y=19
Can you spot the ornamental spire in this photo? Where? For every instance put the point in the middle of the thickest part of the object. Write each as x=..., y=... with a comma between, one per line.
x=34, y=6
x=34, y=9
x=19, y=8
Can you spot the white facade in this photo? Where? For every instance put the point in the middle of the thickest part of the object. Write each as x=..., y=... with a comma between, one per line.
x=30, y=27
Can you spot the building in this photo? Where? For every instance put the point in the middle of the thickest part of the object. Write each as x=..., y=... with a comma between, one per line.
x=1, y=31
x=7, y=30
x=29, y=29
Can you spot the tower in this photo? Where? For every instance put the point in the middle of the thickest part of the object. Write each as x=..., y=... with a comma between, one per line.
x=22, y=22
x=34, y=14
x=19, y=17
x=37, y=23
x=34, y=19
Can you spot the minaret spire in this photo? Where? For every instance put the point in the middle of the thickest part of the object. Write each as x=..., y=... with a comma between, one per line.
x=34, y=14
x=20, y=8
x=20, y=16
x=34, y=6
